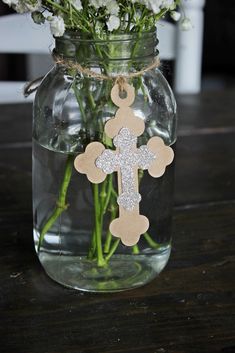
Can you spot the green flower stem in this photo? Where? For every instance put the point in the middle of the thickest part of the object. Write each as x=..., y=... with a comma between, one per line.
x=91, y=99
x=99, y=202
x=135, y=250
x=108, y=194
x=109, y=236
x=80, y=102
x=151, y=242
x=102, y=197
x=99, y=52
x=92, y=249
x=57, y=6
x=112, y=250
x=103, y=194
x=71, y=14
x=98, y=227
x=61, y=202
x=114, y=192
x=108, y=242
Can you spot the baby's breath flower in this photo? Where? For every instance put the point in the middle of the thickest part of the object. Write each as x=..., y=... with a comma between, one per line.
x=169, y=4
x=175, y=15
x=113, y=23
x=10, y=2
x=112, y=7
x=97, y=3
x=22, y=6
x=157, y=5
x=77, y=4
x=154, y=6
x=57, y=25
x=186, y=24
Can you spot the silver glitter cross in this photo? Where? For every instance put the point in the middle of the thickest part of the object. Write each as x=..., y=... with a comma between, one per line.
x=126, y=159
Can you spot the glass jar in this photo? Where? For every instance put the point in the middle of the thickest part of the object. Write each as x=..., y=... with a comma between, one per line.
x=72, y=215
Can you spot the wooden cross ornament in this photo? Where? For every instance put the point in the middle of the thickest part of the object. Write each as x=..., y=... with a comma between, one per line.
x=97, y=161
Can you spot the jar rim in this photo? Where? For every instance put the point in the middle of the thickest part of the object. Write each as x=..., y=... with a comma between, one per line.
x=134, y=47
x=79, y=36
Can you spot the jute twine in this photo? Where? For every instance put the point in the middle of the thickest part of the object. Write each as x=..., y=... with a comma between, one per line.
x=118, y=79
x=70, y=64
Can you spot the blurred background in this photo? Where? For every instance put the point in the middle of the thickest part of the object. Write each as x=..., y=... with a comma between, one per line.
x=218, y=69
x=218, y=41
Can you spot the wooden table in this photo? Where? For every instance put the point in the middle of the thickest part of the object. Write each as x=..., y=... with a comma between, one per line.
x=188, y=308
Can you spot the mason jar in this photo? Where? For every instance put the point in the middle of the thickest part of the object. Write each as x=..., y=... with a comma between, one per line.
x=71, y=214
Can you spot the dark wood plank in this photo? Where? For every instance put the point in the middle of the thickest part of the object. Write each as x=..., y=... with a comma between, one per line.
x=205, y=168
x=16, y=179
x=206, y=113
x=15, y=123
x=188, y=308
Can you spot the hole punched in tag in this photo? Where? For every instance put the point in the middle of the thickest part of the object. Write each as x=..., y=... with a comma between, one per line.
x=122, y=94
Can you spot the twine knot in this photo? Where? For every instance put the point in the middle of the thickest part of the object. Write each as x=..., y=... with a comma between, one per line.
x=121, y=81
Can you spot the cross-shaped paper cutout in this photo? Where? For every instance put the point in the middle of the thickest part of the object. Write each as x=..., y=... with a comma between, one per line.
x=128, y=158
x=96, y=162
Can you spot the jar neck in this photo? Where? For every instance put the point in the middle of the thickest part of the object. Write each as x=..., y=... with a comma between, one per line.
x=114, y=54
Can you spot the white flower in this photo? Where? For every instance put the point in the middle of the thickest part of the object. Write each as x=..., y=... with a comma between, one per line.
x=57, y=26
x=175, y=15
x=186, y=24
x=97, y=3
x=113, y=23
x=77, y=4
x=157, y=5
x=10, y=2
x=112, y=7
x=22, y=6
x=154, y=6
x=170, y=4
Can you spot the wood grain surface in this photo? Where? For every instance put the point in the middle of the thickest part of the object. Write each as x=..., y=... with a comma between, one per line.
x=189, y=308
